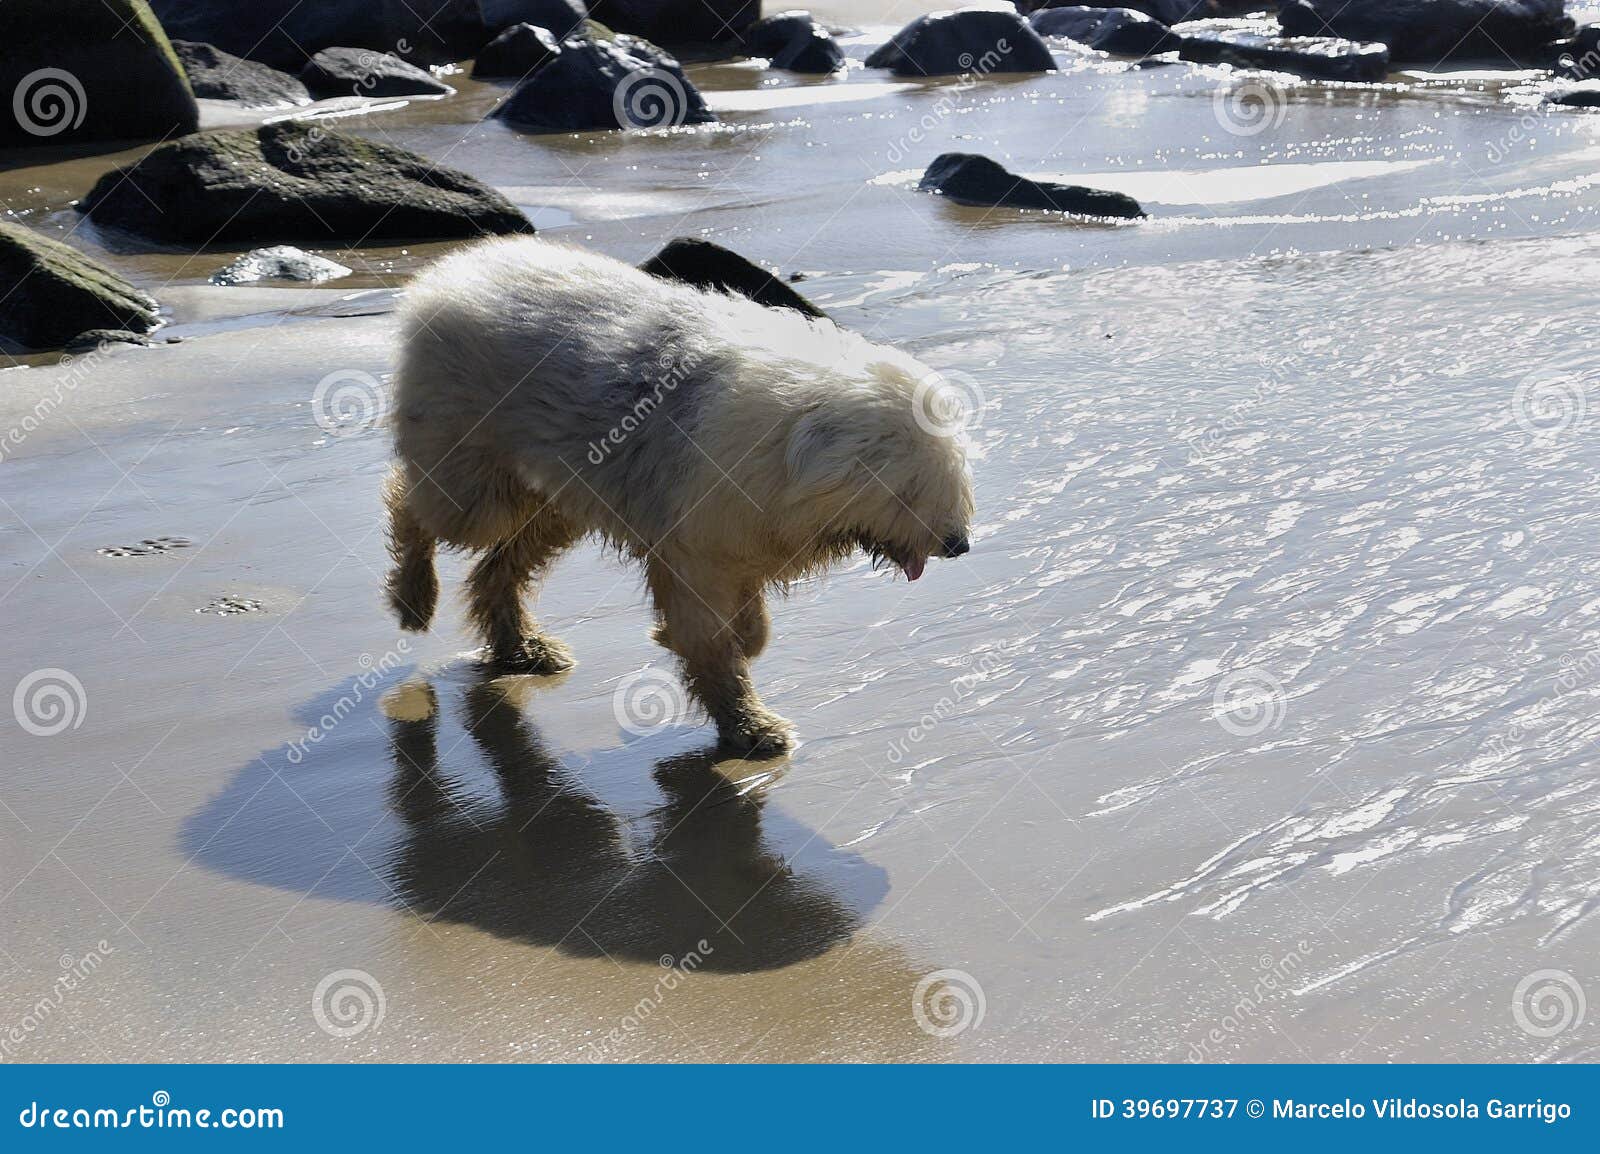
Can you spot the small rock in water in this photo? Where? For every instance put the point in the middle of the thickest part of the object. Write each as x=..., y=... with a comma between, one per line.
x=595, y=84
x=365, y=72
x=229, y=606
x=972, y=40
x=967, y=178
x=149, y=547
x=1582, y=94
x=795, y=42
x=94, y=338
x=707, y=265
x=218, y=75
x=280, y=262
x=519, y=51
x=1120, y=31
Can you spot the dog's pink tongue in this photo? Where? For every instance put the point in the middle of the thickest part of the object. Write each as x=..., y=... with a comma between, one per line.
x=913, y=569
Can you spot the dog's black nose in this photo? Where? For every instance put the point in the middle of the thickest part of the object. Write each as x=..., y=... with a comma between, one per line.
x=957, y=545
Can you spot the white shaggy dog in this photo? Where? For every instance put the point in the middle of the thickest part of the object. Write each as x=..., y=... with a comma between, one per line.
x=545, y=394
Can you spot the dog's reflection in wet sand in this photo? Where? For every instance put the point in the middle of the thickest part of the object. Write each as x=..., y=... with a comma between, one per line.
x=549, y=865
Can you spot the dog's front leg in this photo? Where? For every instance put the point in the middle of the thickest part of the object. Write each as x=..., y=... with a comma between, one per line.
x=701, y=615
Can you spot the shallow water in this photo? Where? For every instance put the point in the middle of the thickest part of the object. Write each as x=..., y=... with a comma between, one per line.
x=1258, y=724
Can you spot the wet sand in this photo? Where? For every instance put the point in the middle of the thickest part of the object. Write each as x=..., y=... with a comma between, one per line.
x=1257, y=726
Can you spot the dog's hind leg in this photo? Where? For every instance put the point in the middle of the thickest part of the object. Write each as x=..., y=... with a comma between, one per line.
x=497, y=585
x=700, y=612
x=412, y=584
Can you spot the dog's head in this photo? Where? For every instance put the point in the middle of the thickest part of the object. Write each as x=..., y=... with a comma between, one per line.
x=883, y=466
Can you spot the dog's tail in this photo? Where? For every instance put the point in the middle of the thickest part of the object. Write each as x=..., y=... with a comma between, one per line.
x=412, y=586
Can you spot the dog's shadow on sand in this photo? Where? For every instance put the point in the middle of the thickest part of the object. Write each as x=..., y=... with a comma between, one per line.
x=479, y=823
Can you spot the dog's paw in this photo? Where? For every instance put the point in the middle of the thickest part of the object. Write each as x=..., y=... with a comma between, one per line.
x=537, y=655
x=758, y=735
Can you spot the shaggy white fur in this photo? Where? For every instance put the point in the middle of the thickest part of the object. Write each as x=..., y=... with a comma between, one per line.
x=545, y=393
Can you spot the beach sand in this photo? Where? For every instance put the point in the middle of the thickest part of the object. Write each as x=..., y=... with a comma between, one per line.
x=1257, y=726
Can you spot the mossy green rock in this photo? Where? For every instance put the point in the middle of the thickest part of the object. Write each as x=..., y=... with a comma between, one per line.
x=294, y=181
x=85, y=70
x=53, y=292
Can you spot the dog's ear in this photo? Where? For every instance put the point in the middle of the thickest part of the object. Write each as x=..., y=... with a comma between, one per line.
x=820, y=453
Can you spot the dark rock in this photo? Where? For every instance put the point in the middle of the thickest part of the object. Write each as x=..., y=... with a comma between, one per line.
x=708, y=265
x=94, y=338
x=1430, y=31
x=84, y=70
x=218, y=75
x=970, y=179
x=594, y=84
x=295, y=181
x=280, y=262
x=519, y=51
x=679, y=21
x=1317, y=57
x=1120, y=31
x=1584, y=94
x=284, y=33
x=55, y=292
x=970, y=40
x=364, y=72
x=796, y=42
x=1577, y=58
